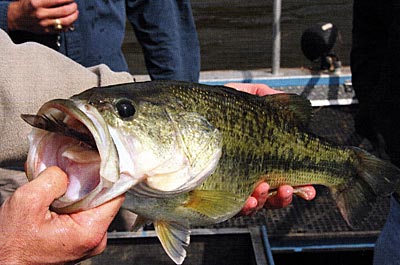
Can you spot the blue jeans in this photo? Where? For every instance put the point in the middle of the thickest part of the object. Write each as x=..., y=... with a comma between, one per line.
x=387, y=249
x=167, y=33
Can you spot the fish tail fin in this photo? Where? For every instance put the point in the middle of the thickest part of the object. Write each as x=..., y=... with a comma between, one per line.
x=375, y=178
x=382, y=176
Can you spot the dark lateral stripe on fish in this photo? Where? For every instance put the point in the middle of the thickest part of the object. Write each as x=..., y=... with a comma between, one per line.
x=304, y=166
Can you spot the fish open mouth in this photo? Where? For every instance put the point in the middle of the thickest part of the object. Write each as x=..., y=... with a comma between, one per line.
x=75, y=138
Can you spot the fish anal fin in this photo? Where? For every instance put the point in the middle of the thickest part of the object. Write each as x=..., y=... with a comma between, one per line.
x=174, y=237
x=354, y=201
x=373, y=178
x=216, y=205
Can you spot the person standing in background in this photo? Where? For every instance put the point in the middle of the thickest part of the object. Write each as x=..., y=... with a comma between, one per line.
x=92, y=32
x=375, y=66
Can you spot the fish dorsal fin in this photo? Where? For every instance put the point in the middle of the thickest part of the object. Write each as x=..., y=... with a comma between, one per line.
x=174, y=237
x=292, y=106
x=216, y=205
x=139, y=223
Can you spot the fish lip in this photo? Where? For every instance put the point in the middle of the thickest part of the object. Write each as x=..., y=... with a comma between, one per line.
x=89, y=117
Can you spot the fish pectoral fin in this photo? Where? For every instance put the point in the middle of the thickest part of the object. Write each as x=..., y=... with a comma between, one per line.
x=174, y=238
x=139, y=223
x=217, y=205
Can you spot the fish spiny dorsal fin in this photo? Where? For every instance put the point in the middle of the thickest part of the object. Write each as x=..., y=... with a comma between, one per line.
x=295, y=108
x=217, y=205
x=174, y=237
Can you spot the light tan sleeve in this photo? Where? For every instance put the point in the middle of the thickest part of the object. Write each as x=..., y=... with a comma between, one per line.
x=10, y=180
x=30, y=75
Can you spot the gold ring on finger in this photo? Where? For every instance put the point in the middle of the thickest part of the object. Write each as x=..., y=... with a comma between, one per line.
x=57, y=24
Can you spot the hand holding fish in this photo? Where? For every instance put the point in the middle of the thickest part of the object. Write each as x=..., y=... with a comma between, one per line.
x=255, y=89
x=42, y=16
x=261, y=196
x=282, y=197
x=31, y=233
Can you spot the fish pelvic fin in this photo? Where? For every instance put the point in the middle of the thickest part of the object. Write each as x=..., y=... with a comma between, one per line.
x=376, y=178
x=139, y=223
x=174, y=237
x=215, y=205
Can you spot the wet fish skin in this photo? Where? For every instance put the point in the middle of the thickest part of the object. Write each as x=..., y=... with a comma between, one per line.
x=261, y=139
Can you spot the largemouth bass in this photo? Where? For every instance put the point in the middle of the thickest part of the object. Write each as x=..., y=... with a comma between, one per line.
x=189, y=154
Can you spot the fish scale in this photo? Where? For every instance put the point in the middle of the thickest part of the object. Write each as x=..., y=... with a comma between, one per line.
x=250, y=124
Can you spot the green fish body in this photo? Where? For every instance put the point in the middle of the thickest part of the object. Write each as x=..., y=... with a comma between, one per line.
x=191, y=154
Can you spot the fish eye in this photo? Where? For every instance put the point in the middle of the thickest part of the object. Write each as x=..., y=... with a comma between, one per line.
x=125, y=109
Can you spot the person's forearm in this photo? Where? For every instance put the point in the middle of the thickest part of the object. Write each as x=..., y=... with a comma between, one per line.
x=12, y=16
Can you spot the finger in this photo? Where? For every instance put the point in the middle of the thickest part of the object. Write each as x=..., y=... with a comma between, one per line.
x=249, y=207
x=69, y=20
x=49, y=185
x=57, y=12
x=111, y=208
x=100, y=217
x=261, y=194
x=93, y=252
x=50, y=3
x=99, y=248
x=255, y=89
x=305, y=192
x=66, y=22
x=282, y=198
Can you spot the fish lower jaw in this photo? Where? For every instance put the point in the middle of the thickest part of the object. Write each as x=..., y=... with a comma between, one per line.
x=80, y=163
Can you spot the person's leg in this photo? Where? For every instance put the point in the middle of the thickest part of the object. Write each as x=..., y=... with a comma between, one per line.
x=167, y=33
x=386, y=111
x=382, y=102
x=386, y=250
x=369, y=37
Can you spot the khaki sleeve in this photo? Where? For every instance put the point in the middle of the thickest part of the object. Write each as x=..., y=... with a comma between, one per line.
x=10, y=180
x=30, y=75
